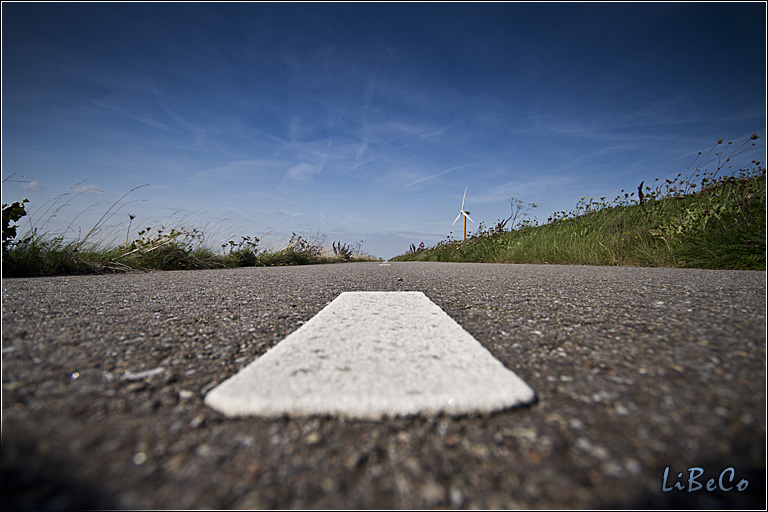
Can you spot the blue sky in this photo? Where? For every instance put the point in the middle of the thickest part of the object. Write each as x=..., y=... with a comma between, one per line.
x=364, y=121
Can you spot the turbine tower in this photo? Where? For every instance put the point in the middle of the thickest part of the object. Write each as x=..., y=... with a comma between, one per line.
x=465, y=214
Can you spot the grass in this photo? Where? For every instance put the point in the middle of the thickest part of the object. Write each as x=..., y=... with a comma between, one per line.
x=701, y=219
x=38, y=253
x=175, y=250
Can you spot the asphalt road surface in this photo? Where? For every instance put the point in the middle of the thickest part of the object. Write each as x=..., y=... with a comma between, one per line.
x=638, y=372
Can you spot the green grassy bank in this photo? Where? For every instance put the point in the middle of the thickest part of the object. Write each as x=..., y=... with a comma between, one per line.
x=43, y=256
x=702, y=220
x=179, y=248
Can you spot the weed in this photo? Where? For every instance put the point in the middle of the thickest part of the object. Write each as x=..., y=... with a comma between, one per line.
x=342, y=251
x=519, y=209
x=243, y=253
x=107, y=215
x=11, y=213
x=307, y=248
x=178, y=249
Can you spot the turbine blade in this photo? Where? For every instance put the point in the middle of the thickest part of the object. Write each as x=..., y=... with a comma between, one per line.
x=467, y=216
x=457, y=218
x=463, y=198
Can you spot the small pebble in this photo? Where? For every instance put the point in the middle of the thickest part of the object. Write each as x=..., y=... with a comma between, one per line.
x=431, y=492
x=130, y=376
x=633, y=466
x=456, y=497
x=613, y=469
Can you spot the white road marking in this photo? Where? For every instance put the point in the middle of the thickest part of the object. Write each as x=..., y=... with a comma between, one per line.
x=370, y=355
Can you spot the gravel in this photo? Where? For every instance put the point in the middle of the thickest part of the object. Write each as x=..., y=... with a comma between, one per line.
x=636, y=371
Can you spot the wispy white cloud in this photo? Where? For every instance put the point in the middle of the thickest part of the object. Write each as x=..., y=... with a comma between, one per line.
x=31, y=185
x=367, y=99
x=84, y=188
x=446, y=171
x=262, y=166
x=324, y=156
x=135, y=115
x=284, y=200
x=302, y=172
x=361, y=148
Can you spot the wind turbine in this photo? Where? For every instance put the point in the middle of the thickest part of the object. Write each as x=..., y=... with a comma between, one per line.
x=464, y=213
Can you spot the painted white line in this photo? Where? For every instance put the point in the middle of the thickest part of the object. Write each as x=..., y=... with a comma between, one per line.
x=370, y=355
